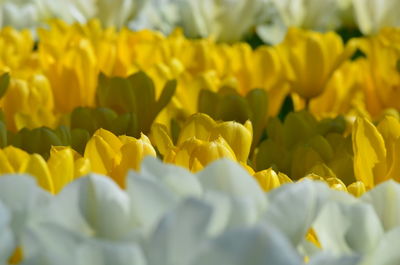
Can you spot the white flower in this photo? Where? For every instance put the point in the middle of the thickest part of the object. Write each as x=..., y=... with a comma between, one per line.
x=90, y=219
x=19, y=14
x=308, y=14
x=372, y=15
x=7, y=240
x=25, y=203
x=223, y=20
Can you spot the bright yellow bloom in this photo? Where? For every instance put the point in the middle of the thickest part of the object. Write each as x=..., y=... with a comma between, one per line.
x=376, y=151
x=72, y=73
x=381, y=71
x=63, y=166
x=15, y=50
x=114, y=156
x=28, y=103
x=342, y=95
x=312, y=58
x=269, y=179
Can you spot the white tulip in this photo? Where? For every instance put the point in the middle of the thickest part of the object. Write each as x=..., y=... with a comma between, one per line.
x=372, y=15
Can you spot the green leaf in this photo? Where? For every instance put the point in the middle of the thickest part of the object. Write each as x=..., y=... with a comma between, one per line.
x=4, y=82
x=3, y=135
x=166, y=95
x=208, y=102
x=79, y=139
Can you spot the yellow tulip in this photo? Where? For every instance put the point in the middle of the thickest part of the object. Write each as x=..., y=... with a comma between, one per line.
x=202, y=127
x=63, y=166
x=380, y=80
x=238, y=136
x=312, y=58
x=28, y=103
x=195, y=154
x=342, y=94
x=113, y=156
x=72, y=75
x=269, y=179
x=15, y=50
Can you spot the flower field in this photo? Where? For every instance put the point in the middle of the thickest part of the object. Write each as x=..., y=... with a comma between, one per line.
x=200, y=132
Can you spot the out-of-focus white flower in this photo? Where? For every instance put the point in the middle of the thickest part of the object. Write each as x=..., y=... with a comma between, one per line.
x=91, y=220
x=307, y=14
x=372, y=15
x=7, y=241
x=25, y=202
x=368, y=228
x=223, y=20
x=20, y=14
x=385, y=199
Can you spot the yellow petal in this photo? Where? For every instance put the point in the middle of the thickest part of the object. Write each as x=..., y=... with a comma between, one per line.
x=103, y=151
x=37, y=167
x=369, y=151
x=357, y=188
x=161, y=138
x=198, y=125
x=268, y=179
x=238, y=136
x=61, y=166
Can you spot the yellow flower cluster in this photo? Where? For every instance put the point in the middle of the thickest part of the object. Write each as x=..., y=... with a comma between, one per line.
x=83, y=98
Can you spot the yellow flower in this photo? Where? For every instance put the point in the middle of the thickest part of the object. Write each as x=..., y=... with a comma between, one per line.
x=195, y=154
x=15, y=50
x=201, y=127
x=342, y=95
x=63, y=166
x=72, y=74
x=376, y=151
x=269, y=179
x=114, y=156
x=28, y=103
x=312, y=58
x=380, y=71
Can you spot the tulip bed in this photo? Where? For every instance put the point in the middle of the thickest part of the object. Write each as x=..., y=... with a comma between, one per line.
x=199, y=145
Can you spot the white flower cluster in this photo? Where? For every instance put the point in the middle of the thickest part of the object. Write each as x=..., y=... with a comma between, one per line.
x=225, y=20
x=168, y=216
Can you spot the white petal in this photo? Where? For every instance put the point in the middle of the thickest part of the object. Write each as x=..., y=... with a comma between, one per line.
x=180, y=234
x=294, y=207
x=177, y=179
x=326, y=258
x=149, y=200
x=97, y=201
x=21, y=195
x=387, y=253
x=385, y=199
x=343, y=229
x=7, y=241
x=227, y=176
x=258, y=245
